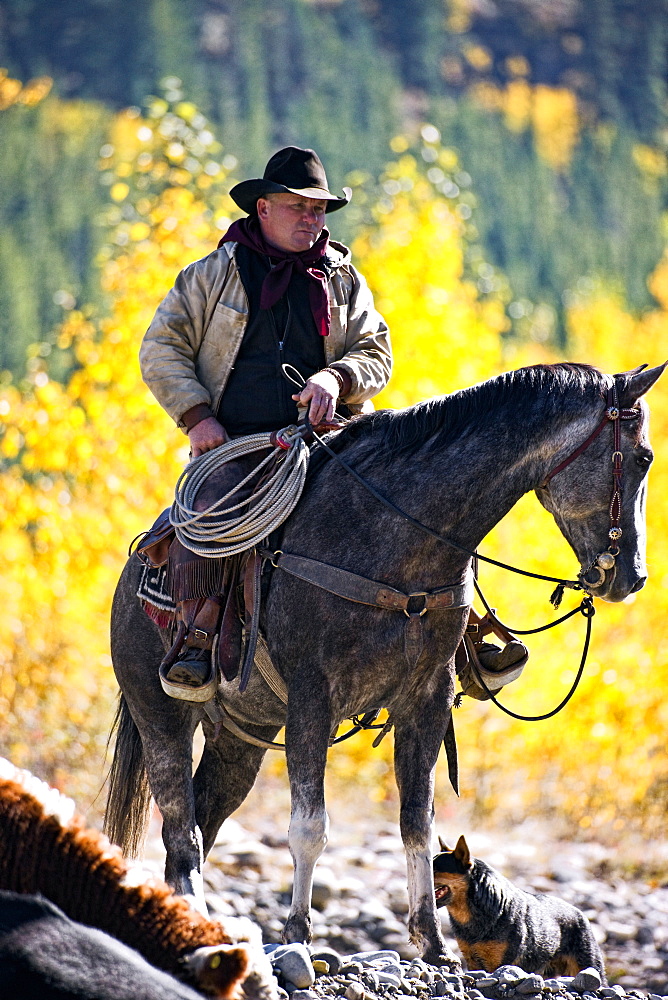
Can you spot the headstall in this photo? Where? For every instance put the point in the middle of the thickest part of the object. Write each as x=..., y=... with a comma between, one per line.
x=613, y=414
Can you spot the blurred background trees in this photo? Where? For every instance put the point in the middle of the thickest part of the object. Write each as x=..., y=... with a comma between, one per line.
x=556, y=110
x=509, y=176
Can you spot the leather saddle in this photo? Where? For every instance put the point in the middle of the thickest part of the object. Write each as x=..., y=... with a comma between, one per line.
x=153, y=548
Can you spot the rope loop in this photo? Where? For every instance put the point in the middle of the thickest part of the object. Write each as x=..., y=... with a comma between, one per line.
x=232, y=525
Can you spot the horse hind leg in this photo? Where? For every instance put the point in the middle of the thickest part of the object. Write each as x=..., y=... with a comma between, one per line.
x=224, y=777
x=169, y=766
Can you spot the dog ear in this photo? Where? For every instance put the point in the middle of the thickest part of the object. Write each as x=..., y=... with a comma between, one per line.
x=442, y=844
x=462, y=852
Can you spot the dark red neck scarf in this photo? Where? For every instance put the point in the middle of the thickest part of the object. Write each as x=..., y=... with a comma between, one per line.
x=247, y=231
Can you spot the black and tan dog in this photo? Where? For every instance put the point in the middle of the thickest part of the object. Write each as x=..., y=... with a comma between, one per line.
x=495, y=923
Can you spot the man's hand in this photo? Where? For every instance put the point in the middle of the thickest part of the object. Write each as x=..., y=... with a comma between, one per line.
x=320, y=395
x=206, y=435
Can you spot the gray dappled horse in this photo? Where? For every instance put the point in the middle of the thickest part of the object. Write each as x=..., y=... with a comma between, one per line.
x=457, y=463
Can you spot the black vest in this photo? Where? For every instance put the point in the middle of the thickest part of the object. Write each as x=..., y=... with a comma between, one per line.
x=257, y=396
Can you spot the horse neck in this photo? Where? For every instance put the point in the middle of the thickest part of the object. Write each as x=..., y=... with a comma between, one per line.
x=465, y=488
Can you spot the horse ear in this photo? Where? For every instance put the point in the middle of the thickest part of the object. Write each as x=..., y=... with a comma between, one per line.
x=462, y=852
x=640, y=380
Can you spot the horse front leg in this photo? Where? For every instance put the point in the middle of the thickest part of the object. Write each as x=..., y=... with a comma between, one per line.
x=307, y=733
x=416, y=748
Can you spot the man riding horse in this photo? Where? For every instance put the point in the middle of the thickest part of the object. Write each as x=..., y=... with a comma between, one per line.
x=276, y=292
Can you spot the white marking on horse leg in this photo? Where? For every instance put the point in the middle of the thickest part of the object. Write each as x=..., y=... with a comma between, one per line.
x=420, y=877
x=307, y=838
x=424, y=925
x=421, y=900
x=184, y=862
x=196, y=898
x=423, y=921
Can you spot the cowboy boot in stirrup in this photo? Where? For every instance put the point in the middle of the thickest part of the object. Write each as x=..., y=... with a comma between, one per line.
x=188, y=671
x=477, y=659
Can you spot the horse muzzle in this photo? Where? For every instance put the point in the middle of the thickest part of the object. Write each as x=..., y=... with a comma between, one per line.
x=605, y=578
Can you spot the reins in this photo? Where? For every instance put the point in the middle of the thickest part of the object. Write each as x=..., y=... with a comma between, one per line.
x=557, y=594
x=586, y=606
x=570, y=584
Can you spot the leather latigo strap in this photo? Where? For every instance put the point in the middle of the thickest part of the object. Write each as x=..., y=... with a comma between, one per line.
x=478, y=627
x=362, y=590
x=252, y=614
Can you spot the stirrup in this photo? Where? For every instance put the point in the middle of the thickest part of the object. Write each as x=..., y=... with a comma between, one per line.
x=185, y=692
x=472, y=669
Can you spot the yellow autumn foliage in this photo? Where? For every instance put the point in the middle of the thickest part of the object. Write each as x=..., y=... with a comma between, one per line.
x=552, y=115
x=88, y=464
x=15, y=92
x=414, y=261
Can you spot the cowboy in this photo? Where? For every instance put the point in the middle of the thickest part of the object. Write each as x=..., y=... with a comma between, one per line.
x=276, y=292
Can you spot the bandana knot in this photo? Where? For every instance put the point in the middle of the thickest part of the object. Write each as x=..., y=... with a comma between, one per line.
x=248, y=233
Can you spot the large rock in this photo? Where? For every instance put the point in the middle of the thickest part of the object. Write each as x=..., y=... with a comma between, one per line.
x=294, y=964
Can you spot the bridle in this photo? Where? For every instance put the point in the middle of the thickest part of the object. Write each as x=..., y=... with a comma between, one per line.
x=613, y=414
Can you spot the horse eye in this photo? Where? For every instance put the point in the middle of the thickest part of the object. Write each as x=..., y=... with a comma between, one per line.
x=644, y=459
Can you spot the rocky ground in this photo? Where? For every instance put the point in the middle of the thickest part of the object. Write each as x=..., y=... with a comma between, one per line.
x=360, y=903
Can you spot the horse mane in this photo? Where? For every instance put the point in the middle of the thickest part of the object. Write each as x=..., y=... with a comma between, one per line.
x=439, y=421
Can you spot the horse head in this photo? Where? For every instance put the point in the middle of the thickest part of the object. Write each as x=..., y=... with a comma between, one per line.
x=596, y=494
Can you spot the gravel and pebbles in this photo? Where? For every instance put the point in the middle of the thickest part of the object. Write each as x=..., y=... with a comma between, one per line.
x=360, y=948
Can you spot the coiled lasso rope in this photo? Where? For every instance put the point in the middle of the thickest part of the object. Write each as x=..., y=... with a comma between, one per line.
x=213, y=532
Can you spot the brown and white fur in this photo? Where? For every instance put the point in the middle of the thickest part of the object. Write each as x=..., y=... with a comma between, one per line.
x=46, y=849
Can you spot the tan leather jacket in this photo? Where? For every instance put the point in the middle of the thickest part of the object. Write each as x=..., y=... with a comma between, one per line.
x=192, y=343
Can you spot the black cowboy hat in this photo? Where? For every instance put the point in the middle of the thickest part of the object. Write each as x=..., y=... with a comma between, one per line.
x=292, y=169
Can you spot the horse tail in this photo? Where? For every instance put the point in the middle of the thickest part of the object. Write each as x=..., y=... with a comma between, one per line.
x=126, y=814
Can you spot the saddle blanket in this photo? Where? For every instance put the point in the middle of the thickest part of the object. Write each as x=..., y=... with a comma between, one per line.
x=155, y=597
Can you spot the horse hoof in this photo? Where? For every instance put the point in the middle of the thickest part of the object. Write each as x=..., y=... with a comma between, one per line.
x=297, y=930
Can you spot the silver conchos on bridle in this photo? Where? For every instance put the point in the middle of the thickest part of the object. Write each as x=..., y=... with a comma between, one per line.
x=614, y=414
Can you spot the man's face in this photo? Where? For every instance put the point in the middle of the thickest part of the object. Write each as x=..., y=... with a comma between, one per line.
x=290, y=222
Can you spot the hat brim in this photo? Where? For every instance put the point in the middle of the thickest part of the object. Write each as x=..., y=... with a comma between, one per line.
x=246, y=194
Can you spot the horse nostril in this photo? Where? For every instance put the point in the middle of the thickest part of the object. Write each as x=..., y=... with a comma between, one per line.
x=639, y=585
